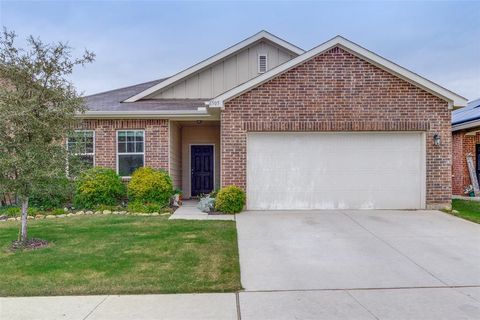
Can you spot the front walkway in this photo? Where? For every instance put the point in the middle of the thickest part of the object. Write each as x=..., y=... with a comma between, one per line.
x=189, y=211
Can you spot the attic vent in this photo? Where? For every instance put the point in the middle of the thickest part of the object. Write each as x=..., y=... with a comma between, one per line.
x=262, y=63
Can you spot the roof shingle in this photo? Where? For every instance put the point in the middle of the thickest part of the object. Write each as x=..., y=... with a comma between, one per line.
x=112, y=100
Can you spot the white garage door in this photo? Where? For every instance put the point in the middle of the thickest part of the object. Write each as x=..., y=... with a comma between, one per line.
x=349, y=170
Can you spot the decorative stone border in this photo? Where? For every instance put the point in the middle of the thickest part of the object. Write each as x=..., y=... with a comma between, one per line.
x=87, y=213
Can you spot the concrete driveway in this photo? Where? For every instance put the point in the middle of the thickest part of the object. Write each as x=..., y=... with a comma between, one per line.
x=363, y=264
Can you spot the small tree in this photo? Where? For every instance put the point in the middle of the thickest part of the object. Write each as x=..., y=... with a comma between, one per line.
x=38, y=108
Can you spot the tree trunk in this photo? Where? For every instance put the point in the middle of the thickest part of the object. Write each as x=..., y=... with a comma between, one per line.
x=24, y=218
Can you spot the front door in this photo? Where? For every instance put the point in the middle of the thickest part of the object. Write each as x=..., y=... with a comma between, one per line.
x=202, y=169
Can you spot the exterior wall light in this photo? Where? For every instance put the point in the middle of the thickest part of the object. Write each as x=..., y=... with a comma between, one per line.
x=436, y=139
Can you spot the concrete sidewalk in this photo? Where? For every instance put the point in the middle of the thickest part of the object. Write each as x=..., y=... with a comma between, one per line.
x=415, y=303
x=189, y=211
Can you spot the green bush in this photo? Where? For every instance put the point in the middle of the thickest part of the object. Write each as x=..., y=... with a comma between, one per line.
x=15, y=211
x=98, y=186
x=150, y=186
x=103, y=207
x=230, y=199
x=137, y=206
x=55, y=193
x=56, y=212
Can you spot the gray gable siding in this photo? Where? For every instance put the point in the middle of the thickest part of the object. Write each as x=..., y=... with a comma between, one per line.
x=225, y=74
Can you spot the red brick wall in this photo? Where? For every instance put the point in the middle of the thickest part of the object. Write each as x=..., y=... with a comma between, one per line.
x=462, y=144
x=156, y=140
x=336, y=91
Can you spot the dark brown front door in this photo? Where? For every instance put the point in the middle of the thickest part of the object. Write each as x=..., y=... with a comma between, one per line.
x=202, y=169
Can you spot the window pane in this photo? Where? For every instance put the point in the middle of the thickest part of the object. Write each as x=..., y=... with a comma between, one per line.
x=122, y=147
x=130, y=136
x=121, y=136
x=139, y=147
x=130, y=147
x=89, y=147
x=87, y=160
x=128, y=163
x=139, y=136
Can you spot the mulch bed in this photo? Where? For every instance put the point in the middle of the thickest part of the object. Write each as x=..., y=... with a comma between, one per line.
x=30, y=244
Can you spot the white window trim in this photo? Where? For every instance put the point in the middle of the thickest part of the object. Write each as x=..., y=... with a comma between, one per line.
x=128, y=153
x=94, y=147
x=266, y=62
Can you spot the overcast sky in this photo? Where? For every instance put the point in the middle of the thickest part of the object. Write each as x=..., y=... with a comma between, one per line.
x=146, y=40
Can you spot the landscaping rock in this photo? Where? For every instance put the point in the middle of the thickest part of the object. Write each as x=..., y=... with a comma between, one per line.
x=455, y=212
x=98, y=212
x=107, y=212
x=155, y=214
x=80, y=213
x=30, y=217
x=61, y=216
x=122, y=212
x=3, y=218
x=115, y=212
x=89, y=212
x=39, y=216
x=165, y=214
x=70, y=214
x=11, y=219
x=50, y=216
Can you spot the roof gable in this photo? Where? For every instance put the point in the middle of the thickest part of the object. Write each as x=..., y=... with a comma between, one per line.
x=262, y=35
x=411, y=77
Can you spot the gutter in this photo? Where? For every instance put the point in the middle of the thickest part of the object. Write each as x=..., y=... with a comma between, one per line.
x=475, y=122
x=159, y=114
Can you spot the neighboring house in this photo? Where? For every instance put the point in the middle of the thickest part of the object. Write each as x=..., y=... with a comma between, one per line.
x=465, y=140
x=333, y=127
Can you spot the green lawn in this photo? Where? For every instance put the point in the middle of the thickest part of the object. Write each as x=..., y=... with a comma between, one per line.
x=469, y=210
x=120, y=255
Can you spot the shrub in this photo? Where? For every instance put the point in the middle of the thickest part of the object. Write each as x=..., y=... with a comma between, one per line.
x=98, y=186
x=56, y=212
x=137, y=206
x=206, y=203
x=104, y=207
x=230, y=199
x=14, y=211
x=56, y=194
x=150, y=186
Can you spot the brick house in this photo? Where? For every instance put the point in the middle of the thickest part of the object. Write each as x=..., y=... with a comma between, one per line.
x=465, y=141
x=330, y=128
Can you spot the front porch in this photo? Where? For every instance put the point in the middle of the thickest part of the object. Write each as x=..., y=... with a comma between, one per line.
x=194, y=156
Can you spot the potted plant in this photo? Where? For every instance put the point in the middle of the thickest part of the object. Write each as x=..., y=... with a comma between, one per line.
x=469, y=190
x=177, y=197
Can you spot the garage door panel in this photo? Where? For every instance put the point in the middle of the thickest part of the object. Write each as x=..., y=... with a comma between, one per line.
x=335, y=170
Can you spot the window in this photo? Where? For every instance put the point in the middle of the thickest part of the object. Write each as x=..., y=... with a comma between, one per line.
x=262, y=63
x=130, y=151
x=82, y=144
